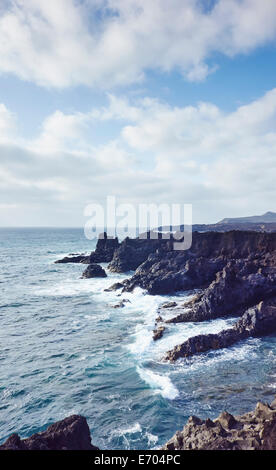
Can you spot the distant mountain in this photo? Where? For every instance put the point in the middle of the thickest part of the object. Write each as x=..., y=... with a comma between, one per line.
x=256, y=223
x=268, y=217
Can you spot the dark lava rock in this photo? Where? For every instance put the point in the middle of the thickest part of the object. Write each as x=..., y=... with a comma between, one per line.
x=116, y=286
x=94, y=270
x=103, y=253
x=133, y=252
x=239, y=285
x=71, y=433
x=256, y=321
x=105, y=249
x=122, y=303
x=74, y=259
x=158, y=333
x=255, y=430
x=166, y=270
x=169, y=305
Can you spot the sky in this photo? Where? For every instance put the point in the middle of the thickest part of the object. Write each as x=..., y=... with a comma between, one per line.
x=152, y=102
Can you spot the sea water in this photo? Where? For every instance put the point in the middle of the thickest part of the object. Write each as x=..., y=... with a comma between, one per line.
x=66, y=350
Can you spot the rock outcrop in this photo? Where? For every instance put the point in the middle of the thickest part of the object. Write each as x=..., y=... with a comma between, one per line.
x=94, y=270
x=158, y=333
x=255, y=430
x=103, y=253
x=256, y=321
x=240, y=284
x=105, y=249
x=166, y=270
x=74, y=259
x=132, y=252
x=71, y=433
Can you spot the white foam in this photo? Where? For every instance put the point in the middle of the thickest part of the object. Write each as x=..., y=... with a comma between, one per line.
x=74, y=286
x=239, y=352
x=131, y=430
x=152, y=439
x=162, y=384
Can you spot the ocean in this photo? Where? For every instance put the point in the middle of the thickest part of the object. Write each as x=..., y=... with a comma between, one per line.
x=66, y=350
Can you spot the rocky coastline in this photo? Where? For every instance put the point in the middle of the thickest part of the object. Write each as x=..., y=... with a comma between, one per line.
x=230, y=274
x=255, y=430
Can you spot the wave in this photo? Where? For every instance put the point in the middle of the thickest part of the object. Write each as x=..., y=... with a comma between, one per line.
x=161, y=383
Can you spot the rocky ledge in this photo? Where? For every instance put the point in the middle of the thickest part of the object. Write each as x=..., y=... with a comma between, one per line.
x=103, y=253
x=256, y=321
x=255, y=430
x=71, y=433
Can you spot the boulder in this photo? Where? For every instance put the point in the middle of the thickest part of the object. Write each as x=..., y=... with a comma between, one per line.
x=94, y=270
x=158, y=333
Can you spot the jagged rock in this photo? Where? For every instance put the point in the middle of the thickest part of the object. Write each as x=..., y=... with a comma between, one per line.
x=105, y=249
x=71, y=433
x=94, y=270
x=158, y=333
x=239, y=285
x=158, y=319
x=115, y=286
x=133, y=252
x=256, y=321
x=169, y=305
x=103, y=253
x=166, y=270
x=121, y=304
x=251, y=431
x=74, y=259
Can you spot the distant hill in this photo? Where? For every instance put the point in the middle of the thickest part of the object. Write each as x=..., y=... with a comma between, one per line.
x=256, y=223
x=268, y=217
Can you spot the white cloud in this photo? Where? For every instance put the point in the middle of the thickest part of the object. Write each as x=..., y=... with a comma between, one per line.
x=7, y=123
x=114, y=42
x=223, y=163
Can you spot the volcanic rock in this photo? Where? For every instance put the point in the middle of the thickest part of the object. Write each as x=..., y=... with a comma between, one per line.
x=94, y=270
x=251, y=431
x=71, y=433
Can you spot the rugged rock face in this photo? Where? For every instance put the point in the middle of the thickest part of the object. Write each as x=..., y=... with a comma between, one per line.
x=71, y=433
x=158, y=333
x=105, y=249
x=94, y=270
x=103, y=253
x=256, y=321
x=239, y=285
x=255, y=430
x=74, y=259
x=133, y=252
x=166, y=270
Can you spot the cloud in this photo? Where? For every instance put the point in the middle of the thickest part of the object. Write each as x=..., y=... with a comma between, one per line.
x=105, y=43
x=223, y=163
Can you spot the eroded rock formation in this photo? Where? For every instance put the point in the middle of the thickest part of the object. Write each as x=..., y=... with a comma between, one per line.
x=71, y=433
x=255, y=430
x=256, y=321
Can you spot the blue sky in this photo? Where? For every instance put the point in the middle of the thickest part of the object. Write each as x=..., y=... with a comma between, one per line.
x=157, y=102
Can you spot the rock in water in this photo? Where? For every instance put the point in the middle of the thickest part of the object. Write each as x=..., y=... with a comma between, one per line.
x=74, y=259
x=103, y=253
x=94, y=270
x=71, y=433
x=252, y=431
x=256, y=321
x=158, y=333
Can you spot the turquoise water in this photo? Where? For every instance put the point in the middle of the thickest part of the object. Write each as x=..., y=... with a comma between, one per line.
x=65, y=349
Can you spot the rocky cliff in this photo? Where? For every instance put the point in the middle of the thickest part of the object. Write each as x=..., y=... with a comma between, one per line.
x=71, y=433
x=255, y=430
